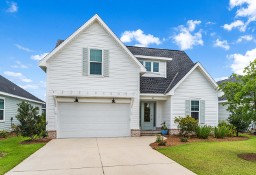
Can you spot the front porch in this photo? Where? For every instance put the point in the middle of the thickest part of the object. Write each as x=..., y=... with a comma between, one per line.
x=154, y=110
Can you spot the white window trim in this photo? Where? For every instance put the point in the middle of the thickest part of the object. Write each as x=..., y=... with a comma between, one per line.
x=102, y=63
x=199, y=117
x=152, y=65
x=3, y=110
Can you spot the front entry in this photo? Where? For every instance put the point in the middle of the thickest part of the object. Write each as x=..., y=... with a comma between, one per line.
x=147, y=115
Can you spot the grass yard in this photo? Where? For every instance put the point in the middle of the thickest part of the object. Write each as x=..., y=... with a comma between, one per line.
x=211, y=158
x=14, y=152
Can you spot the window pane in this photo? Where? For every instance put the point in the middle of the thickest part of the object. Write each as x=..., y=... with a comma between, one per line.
x=155, y=67
x=1, y=103
x=1, y=114
x=96, y=55
x=148, y=66
x=141, y=62
x=195, y=115
x=146, y=112
x=194, y=105
x=95, y=68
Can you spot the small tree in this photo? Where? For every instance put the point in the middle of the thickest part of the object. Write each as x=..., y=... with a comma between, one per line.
x=187, y=125
x=241, y=97
x=30, y=124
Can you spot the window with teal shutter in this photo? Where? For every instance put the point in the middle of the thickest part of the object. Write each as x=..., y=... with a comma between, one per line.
x=95, y=62
x=1, y=109
x=195, y=109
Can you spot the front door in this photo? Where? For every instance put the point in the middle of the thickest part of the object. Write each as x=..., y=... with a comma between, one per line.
x=147, y=115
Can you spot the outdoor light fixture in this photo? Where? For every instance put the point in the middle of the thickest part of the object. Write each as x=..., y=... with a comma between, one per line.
x=76, y=100
x=113, y=100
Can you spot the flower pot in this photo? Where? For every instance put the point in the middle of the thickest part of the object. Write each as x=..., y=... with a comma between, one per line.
x=164, y=132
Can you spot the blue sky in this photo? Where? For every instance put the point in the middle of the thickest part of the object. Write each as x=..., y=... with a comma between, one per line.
x=219, y=34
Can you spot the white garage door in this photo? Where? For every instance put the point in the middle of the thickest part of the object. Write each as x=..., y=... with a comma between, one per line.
x=93, y=120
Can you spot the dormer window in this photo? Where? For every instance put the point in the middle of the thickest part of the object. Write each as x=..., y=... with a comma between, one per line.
x=151, y=66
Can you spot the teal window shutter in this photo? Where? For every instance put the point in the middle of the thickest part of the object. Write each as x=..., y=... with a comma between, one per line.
x=187, y=108
x=202, y=111
x=85, y=61
x=106, y=63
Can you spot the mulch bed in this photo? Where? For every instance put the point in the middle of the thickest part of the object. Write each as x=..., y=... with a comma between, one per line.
x=44, y=140
x=175, y=140
x=248, y=156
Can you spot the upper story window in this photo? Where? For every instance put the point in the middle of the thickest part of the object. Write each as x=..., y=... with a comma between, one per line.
x=1, y=109
x=195, y=109
x=151, y=66
x=95, y=62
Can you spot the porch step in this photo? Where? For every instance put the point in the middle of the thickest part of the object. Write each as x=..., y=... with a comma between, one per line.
x=149, y=133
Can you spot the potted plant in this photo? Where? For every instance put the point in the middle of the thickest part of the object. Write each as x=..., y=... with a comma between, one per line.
x=164, y=129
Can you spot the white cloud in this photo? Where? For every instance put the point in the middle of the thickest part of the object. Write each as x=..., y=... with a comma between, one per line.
x=142, y=39
x=23, y=48
x=245, y=38
x=223, y=44
x=38, y=56
x=187, y=38
x=20, y=65
x=13, y=7
x=236, y=24
x=241, y=61
x=244, y=9
x=17, y=75
x=220, y=78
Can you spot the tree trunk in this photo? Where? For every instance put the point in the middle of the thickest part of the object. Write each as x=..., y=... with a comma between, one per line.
x=237, y=133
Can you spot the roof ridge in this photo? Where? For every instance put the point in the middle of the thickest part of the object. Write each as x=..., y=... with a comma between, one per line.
x=157, y=48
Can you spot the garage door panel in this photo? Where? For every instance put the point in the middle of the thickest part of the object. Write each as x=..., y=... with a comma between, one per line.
x=93, y=120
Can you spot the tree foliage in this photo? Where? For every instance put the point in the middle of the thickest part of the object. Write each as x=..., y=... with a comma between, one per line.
x=241, y=97
x=31, y=124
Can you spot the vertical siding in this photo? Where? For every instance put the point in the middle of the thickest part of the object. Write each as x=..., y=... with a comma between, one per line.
x=159, y=113
x=223, y=113
x=167, y=112
x=11, y=108
x=195, y=86
x=64, y=72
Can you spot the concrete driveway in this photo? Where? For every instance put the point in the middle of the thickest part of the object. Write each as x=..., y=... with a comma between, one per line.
x=99, y=156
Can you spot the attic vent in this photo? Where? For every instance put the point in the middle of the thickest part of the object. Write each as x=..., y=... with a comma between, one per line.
x=58, y=42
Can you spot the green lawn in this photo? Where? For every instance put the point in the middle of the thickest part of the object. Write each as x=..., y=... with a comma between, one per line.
x=15, y=152
x=211, y=158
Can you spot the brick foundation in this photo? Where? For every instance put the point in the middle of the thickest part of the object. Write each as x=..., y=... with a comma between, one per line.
x=52, y=134
x=174, y=131
x=135, y=132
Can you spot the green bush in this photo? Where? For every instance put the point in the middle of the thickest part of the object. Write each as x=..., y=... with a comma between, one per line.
x=220, y=132
x=3, y=134
x=160, y=140
x=30, y=124
x=203, y=132
x=184, y=139
x=187, y=125
x=231, y=129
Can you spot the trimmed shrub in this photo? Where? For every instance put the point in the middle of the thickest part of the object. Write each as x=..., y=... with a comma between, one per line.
x=187, y=125
x=3, y=134
x=160, y=140
x=203, y=132
x=220, y=132
x=231, y=129
x=184, y=139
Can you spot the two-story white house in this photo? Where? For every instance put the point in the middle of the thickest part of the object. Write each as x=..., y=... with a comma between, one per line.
x=98, y=87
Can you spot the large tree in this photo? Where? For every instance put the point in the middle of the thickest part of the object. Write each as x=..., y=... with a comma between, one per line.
x=240, y=92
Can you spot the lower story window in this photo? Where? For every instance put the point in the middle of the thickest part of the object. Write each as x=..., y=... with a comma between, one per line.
x=195, y=109
x=1, y=109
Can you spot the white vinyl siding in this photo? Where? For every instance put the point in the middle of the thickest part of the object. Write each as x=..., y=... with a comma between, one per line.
x=64, y=73
x=223, y=113
x=195, y=86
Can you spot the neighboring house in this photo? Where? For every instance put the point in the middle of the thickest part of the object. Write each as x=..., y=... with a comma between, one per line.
x=98, y=87
x=10, y=96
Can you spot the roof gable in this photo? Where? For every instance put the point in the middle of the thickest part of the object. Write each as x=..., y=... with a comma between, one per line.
x=10, y=89
x=43, y=63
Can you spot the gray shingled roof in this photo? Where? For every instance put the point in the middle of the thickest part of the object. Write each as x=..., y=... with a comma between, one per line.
x=9, y=87
x=177, y=68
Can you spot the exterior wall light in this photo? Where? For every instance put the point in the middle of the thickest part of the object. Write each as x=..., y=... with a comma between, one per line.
x=76, y=100
x=113, y=100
